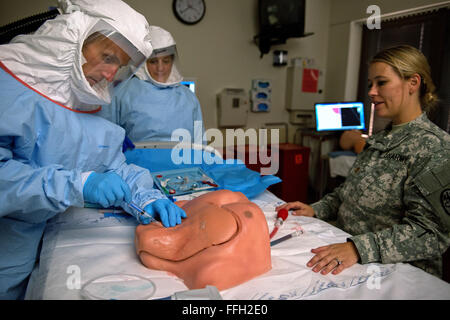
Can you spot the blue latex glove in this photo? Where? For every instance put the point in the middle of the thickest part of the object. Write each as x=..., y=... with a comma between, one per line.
x=107, y=189
x=169, y=213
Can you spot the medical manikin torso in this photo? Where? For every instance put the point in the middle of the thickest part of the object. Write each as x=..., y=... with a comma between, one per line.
x=224, y=241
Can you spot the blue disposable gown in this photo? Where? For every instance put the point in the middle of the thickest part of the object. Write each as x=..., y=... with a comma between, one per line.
x=151, y=113
x=44, y=148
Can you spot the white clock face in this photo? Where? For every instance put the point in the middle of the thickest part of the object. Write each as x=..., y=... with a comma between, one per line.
x=189, y=11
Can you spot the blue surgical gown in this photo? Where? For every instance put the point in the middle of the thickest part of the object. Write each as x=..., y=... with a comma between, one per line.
x=151, y=113
x=44, y=147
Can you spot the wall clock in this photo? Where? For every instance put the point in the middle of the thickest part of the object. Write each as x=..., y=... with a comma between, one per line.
x=189, y=11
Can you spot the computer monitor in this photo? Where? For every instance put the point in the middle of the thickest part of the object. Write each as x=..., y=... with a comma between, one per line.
x=336, y=116
x=190, y=83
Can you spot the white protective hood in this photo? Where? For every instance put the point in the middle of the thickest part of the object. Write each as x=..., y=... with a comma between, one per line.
x=51, y=59
x=161, y=39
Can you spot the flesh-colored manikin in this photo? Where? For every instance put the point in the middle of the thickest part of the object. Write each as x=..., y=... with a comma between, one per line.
x=224, y=241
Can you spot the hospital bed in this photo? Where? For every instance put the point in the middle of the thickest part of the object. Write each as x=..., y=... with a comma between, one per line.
x=83, y=244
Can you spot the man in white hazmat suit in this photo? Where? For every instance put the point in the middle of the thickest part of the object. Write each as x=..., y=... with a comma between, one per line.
x=54, y=151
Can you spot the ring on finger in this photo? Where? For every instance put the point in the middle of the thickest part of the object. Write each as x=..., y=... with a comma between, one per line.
x=339, y=262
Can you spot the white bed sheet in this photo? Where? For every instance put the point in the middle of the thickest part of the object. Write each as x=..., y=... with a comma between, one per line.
x=82, y=244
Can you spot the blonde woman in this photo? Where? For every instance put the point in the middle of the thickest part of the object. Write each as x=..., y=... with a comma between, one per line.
x=395, y=201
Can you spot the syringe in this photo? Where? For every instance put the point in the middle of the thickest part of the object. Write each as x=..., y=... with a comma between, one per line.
x=281, y=217
x=141, y=211
x=286, y=237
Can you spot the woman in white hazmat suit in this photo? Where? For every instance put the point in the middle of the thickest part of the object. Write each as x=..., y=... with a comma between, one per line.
x=154, y=105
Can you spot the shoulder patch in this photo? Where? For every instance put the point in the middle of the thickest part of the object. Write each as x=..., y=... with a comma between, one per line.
x=445, y=200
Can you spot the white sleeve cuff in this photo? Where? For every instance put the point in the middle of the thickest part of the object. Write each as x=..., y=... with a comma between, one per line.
x=84, y=176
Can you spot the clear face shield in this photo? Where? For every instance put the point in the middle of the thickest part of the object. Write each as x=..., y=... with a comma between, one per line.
x=109, y=59
x=163, y=66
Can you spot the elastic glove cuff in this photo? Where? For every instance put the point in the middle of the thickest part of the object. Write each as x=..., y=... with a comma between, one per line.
x=148, y=202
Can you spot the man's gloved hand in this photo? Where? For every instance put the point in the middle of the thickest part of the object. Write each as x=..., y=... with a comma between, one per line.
x=169, y=213
x=107, y=189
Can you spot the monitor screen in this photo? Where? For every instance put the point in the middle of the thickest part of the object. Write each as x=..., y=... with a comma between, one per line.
x=339, y=116
x=190, y=84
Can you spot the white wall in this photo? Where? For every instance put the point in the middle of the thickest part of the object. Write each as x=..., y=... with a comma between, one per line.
x=343, y=64
x=219, y=51
x=11, y=11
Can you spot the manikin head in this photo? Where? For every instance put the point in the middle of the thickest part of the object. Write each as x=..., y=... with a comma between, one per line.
x=224, y=241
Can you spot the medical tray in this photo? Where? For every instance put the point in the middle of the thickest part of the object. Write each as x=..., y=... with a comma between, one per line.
x=179, y=182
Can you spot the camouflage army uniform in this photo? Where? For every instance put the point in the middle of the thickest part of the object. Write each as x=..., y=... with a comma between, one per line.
x=395, y=201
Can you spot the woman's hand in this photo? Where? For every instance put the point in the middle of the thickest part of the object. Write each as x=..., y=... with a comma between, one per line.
x=298, y=208
x=334, y=257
